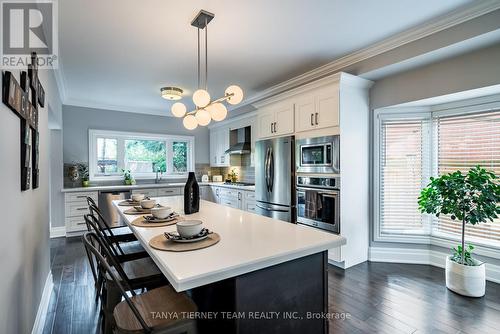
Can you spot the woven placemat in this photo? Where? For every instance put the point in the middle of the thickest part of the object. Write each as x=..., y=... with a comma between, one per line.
x=128, y=203
x=141, y=222
x=162, y=243
x=133, y=211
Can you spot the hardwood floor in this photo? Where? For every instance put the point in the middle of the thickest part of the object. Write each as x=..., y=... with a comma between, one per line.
x=374, y=298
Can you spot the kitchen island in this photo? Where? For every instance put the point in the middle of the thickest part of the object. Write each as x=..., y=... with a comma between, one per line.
x=269, y=275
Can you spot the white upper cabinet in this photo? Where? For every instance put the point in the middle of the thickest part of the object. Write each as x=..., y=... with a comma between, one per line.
x=317, y=110
x=213, y=148
x=305, y=110
x=276, y=120
x=265, y=123
x=219, y=143
x=327, y=107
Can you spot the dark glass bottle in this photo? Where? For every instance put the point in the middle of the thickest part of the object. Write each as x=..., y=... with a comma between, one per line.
x=191, y=195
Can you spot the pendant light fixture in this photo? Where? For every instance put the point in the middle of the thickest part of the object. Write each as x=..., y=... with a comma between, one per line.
x=206, y=108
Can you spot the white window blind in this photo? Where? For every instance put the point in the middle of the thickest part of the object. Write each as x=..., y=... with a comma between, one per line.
x=463, y=142
x=404, y=169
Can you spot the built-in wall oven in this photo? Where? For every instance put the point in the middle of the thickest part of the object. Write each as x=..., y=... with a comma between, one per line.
x=318, y=155
x=318, y=202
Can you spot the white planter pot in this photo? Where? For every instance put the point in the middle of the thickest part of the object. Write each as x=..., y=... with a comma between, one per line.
x=465, y=280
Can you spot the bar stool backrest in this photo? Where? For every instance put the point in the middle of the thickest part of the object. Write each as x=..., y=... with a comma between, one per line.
x=101, y=255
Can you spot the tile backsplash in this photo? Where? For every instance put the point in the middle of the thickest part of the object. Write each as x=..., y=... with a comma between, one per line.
x=241, y=165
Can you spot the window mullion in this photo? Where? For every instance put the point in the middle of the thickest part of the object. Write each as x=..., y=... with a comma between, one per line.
x=120, y=152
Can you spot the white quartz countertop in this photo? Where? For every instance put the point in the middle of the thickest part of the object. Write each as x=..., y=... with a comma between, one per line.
x=248, y=242
x=152, y=185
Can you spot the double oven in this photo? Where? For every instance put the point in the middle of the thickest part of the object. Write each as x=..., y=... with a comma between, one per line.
x=318, y=182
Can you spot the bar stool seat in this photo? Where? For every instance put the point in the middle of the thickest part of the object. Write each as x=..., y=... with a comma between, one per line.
x=155, y=306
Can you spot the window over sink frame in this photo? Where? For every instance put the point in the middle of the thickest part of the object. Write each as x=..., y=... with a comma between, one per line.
x=120, y=155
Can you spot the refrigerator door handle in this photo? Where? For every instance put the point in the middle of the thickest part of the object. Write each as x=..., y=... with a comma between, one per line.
x=270, y=209
x=266, y=166
x=271, y=169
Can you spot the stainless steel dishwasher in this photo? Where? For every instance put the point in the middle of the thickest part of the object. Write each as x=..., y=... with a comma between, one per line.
x=106, y=206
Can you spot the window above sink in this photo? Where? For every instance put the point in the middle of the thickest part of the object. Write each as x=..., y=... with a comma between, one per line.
x=142, y=153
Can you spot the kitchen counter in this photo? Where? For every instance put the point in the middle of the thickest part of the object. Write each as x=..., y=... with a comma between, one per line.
x=152, y=185
x=260, y=265
x=248, y=242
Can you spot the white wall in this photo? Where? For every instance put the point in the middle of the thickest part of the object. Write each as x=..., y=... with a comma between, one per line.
x=24, y=241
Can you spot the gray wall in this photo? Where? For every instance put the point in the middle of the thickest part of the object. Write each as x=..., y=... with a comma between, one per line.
x=476, y=69
x=56, y=178
x=78, y=120
x=24, y=241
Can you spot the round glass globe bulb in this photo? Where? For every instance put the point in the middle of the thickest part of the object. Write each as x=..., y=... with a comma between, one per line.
x=203, y=117
x=201, y=98
x=237, y=96
x=190, y=122
x=218, y=111
x=178, y=109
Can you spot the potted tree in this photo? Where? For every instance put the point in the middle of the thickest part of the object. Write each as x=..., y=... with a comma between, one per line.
x=471, y=198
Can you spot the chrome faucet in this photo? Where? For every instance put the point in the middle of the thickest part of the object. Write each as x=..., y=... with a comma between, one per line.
x=158, y=179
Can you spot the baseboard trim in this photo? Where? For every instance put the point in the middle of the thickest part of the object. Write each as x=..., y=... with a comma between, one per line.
x=43, y=306
x=57, y=232
x=422, y=256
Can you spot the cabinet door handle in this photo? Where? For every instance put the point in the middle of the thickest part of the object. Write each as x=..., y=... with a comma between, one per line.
x=81, y=209
x=271, y=127
x=312, y=122
x=316, y=118
x=275, y=127
x=81, y=196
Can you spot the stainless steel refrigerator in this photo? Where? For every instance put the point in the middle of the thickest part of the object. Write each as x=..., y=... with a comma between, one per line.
x=275, y=178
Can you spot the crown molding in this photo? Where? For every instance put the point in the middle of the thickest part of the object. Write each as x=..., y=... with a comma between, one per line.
x=338, y=78
x=440, y=23
x=98, y=105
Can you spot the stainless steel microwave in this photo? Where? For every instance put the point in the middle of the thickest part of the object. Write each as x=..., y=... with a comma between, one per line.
x=318, y=155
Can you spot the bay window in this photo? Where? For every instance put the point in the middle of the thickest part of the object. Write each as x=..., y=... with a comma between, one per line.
x=110, y=152
x=409, y=149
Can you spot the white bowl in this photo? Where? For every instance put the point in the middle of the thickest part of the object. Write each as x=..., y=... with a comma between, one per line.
x=161, y=212
x=189, y=228
x=137, y=197
x=148, y=203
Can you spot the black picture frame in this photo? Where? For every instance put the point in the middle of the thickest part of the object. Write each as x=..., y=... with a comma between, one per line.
x=17, y=97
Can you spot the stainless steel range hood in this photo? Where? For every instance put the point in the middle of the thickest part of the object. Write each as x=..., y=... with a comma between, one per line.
x=240, y=141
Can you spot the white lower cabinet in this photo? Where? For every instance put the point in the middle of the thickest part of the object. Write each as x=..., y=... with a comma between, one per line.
x=75, y=207
x=235, y=198
x=170, y=191
x=249, y=201
x=147, y=192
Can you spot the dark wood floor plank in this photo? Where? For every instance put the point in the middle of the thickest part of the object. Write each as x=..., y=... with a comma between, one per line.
x=379, y=298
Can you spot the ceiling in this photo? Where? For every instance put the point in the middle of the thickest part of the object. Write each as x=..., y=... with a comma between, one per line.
x=116, y=54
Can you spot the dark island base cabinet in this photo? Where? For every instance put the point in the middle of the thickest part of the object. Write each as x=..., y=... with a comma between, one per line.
x=294, y=289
